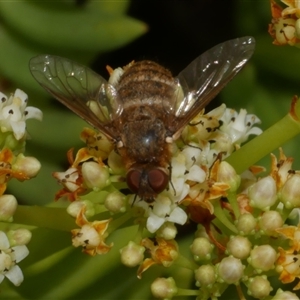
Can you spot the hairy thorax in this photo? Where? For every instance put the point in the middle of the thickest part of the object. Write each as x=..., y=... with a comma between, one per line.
x=144, y=136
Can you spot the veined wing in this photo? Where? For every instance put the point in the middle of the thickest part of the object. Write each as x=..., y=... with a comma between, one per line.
x=80, y=89
x=207, y=75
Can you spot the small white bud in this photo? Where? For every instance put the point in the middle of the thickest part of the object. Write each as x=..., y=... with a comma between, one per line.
x=201, y=248
x=285, y=295
x=290, y=192
x=239, y=247
x=259, y=287
x=270, y=221
x=19, y=237
x=227, y=174
x=205, y=275
x=115, y=202
x=246, y=224
x=263, y=258
x=164, y=288
x=263, y=194
x=8, y=206
x=28, y=165
x=132, y=254
x=230, y=270
x=167, y=231
x=75, y=207
x=95, y=176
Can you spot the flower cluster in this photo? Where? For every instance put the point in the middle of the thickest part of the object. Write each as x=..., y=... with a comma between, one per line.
x=246, y=239
x=13, y=164
x=241, y=236
x=285, y=26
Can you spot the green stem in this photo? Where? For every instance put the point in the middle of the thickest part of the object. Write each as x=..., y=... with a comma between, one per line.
x=116, y=223
x=47, y=217
x=272, y=138
x=234, y=204
x=285, y=213
x=187, y=292
x=139, y=235
x=186, y=263
x=240, y=292
x=221, y=216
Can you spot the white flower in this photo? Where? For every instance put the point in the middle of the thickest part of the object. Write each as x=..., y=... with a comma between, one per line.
x=14, y=113
x=68, y=179
x=9, y=257
x=239, y=125
x=164, y=211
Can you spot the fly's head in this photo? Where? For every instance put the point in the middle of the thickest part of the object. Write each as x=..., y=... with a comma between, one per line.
x=147, y=182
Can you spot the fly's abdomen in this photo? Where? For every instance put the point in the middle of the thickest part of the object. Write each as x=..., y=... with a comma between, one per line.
x=147, y=83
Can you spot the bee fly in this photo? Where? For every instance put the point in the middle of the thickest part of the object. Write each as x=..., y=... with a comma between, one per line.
x=143, y=108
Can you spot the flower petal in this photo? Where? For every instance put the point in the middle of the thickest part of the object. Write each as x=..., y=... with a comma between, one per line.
x=18, y=129
x=1, y=277
x=196, y=174
x=20, y=94
x=15, y=275
x=178, y=216
x=154, y=222
x=4, y=243
x=33, y=113
x=20, y=252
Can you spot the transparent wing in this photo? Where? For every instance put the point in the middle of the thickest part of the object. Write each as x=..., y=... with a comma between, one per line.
x=80, y=89
x=207, y=75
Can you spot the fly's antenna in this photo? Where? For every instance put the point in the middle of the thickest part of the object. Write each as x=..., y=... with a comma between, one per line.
x=170, y=170
x=135, y=196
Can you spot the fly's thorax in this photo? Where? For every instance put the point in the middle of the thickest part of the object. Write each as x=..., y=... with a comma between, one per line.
x=146, y=83
x=144, y=135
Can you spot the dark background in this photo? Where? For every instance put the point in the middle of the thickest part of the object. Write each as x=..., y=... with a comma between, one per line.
x=178, y=32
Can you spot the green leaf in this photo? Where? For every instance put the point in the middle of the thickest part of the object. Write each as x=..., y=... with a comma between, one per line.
x=71, y=29
x=283, y=61
x=15, y=54
x=111, y=7
x=14, y=58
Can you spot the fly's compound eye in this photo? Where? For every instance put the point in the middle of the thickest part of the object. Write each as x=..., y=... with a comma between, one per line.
x=157, y=180
x=133, y=179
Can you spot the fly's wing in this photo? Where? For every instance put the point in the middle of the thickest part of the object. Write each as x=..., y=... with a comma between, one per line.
x=80, y=89
x=206, y=76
